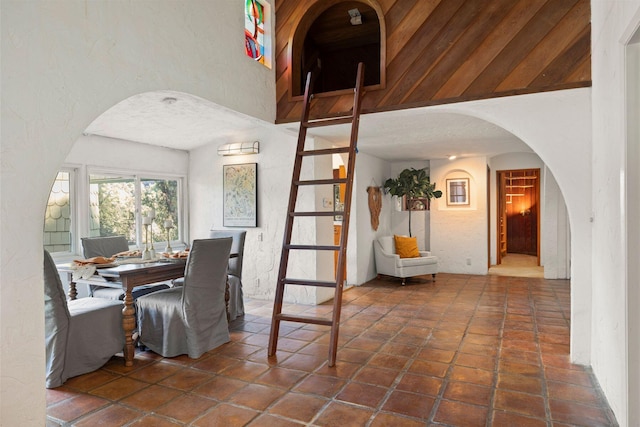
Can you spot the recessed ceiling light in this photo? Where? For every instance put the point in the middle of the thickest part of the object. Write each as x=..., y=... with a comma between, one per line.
x=169, y=100
x=452, y=157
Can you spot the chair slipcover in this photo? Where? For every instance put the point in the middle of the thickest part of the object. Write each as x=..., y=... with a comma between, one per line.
x=107, y=247
x=236, y=296
x=80, y=335
x=389, y=263
x=189, y=319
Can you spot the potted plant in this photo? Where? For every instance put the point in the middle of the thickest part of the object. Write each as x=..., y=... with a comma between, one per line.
x=414, y=184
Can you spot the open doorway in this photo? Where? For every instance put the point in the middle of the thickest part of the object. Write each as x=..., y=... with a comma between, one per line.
x=518, y=215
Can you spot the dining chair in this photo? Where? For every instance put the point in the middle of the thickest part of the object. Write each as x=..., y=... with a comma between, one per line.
x=189, y=319
x=107, y=247
x=236, y=297
x=80, y=335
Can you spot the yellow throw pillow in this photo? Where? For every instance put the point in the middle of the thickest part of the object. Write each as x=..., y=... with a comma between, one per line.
x=407, y=247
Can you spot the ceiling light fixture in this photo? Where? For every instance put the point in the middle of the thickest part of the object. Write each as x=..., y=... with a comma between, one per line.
x=169, y=100
x=452, y=157
x=238, y=148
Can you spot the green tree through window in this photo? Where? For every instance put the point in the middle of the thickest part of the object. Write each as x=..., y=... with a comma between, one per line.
x=161, y=195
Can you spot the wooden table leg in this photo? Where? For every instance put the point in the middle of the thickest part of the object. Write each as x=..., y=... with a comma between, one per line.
x=73, y=293
x=128, y=324
x=227, y=297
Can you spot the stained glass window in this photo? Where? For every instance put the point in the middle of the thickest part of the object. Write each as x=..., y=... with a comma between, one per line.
x=254, y=15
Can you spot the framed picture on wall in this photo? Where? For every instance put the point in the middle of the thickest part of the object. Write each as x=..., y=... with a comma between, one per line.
x=240, y=201
x=458, y=191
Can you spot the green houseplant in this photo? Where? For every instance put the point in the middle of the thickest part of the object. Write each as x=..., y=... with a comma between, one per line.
x=414, y=184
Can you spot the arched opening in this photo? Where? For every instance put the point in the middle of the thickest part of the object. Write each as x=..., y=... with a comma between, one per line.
x=330, y=40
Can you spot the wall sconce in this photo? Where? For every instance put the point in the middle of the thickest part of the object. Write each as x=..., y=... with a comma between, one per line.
x=238, y=148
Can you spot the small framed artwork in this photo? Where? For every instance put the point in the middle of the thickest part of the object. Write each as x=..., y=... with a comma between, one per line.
x=240, y=187
x=458, y=192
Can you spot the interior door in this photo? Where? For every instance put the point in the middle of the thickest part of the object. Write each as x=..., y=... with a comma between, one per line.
x=522, y=200
x=502, y=216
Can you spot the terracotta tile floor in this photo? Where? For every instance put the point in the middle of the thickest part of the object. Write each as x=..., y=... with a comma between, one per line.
x=463, y=351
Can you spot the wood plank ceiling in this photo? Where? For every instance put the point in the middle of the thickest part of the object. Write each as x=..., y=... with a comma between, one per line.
x=443, y=51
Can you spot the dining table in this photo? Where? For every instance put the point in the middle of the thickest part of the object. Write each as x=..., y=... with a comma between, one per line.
x=127, y=276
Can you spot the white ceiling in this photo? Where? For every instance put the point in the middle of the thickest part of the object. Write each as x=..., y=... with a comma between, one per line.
x=413, y=134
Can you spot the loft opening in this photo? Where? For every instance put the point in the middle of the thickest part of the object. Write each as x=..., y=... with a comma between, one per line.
x=331, y=39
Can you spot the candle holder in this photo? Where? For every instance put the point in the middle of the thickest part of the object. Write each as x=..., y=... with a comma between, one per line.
x=152, y=251
x=146, y=254
x=152, y=217
x=167, y=228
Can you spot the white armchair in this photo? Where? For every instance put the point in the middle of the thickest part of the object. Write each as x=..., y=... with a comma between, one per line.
x=389, y=263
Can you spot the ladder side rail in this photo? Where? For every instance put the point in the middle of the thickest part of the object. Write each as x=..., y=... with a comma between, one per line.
x=286, y=238
x=342, y=255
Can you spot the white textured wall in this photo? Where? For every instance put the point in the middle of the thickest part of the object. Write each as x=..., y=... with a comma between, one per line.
x=459, y=233
x=633, y=226
x=613, y=23
x=261, y=257
x=63, y=64
x=125, y=155
x=555, y=233
x=371, y=171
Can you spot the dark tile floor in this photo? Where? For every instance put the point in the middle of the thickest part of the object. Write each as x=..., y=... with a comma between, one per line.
x=463, y=351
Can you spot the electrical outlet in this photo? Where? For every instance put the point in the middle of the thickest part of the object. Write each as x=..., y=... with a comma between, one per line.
x=468, y=261
x=259, y=237
x=257, y=281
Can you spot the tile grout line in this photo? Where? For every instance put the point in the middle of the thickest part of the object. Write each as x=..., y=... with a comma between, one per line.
x=543, y=377
x=445, y=380
x=496, y=365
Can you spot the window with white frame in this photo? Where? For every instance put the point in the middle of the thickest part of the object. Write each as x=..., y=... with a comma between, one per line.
x=117, y=204
x=113, y=203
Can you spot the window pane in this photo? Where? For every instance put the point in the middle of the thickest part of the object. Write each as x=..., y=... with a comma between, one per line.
x=112, y=205
x=161, y=195
x=57, y=217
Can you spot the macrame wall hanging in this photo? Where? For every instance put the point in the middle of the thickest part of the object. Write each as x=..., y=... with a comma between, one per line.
x=375, y=205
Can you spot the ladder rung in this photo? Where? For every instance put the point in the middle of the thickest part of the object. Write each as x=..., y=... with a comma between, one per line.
x=304, y=319
x=328, y=122
x=323, y=213
x=304, y=282
x=312, y=247
x=324, y=151
x=322, y=181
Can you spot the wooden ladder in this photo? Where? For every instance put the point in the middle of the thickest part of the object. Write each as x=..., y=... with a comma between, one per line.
x=292, y=214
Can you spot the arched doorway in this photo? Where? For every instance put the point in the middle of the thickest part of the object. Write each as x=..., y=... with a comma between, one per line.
x=518, y=213
x=331, y=39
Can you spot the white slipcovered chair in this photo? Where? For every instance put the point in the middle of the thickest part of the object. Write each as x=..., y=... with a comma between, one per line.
x=389, y=263
x=80, y=335
x=236, y=297
x=189, y=319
